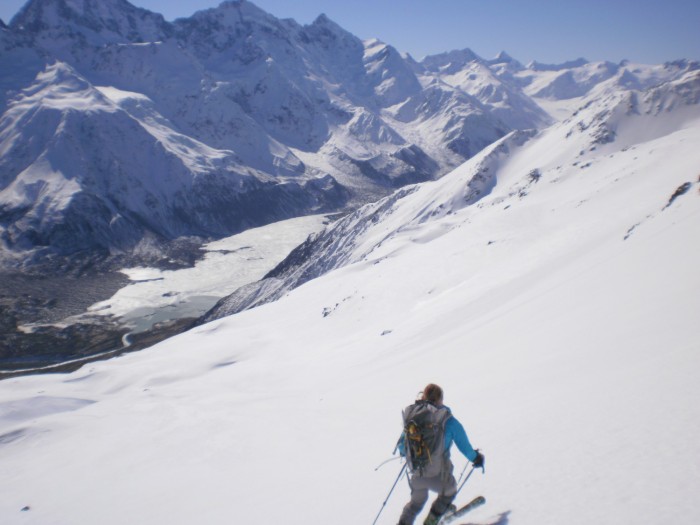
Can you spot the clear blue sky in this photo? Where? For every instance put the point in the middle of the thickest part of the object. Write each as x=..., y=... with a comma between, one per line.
x=551, y=31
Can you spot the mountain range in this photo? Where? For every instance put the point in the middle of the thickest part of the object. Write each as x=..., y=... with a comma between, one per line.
x=121, y=131
x=610, y=123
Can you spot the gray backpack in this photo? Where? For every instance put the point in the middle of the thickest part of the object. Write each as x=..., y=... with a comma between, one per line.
x=424, y=437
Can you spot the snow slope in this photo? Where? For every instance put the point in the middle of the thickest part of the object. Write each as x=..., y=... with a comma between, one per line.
x=557, y=307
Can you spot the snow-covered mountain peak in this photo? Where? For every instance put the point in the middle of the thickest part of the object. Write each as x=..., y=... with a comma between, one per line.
x=613, y=119
x=330, y=36
x=8, y=41
x=559, y=83
x=61, y=87
x=241, y=31
x=491, y=85
x=232, y=14
x=505, y=68
x=376, y=50
x=610, y=80
x=539, y=66
x=502, y=58
x=322, y=20
x=450, y=62
x=131, y=174
x=684, y=91
x=390, y=75
x=98, y=21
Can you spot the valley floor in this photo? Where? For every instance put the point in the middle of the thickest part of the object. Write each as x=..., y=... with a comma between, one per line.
x=57, y=323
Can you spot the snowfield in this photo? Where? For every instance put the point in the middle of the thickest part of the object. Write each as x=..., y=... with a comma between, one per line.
x=558, y=308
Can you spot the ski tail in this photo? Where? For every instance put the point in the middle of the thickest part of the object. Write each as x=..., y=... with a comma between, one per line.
x=450, y=517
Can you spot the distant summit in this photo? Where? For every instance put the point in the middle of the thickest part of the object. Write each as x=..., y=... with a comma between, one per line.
x=451, y=61
x=503, y=58
x=92, y=23
x=538, y=66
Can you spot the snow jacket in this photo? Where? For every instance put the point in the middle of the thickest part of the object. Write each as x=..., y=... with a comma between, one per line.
x=454, y=433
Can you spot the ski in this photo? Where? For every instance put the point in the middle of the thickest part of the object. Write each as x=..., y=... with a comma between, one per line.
x=451, y=516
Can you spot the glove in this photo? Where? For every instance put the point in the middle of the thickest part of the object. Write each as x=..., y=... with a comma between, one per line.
x=478, y=460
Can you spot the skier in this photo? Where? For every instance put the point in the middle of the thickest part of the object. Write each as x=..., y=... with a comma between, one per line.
x=437, y=475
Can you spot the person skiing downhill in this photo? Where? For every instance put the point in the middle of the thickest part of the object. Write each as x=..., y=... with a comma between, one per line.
x=437, y=475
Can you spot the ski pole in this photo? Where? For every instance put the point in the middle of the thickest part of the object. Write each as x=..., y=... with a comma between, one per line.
x=389, y=495
x=483, y=469
x=385, y=462
x=463, y=471
x=464, y=482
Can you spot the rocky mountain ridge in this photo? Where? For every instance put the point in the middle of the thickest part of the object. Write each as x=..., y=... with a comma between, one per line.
x=244, y=119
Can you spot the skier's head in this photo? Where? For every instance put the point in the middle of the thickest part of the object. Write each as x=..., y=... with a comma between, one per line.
x=432, y=394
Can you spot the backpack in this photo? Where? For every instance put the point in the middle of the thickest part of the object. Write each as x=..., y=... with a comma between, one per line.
x=424, y=437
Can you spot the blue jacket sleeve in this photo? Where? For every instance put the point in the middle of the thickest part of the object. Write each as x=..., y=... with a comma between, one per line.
x=454, y=431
